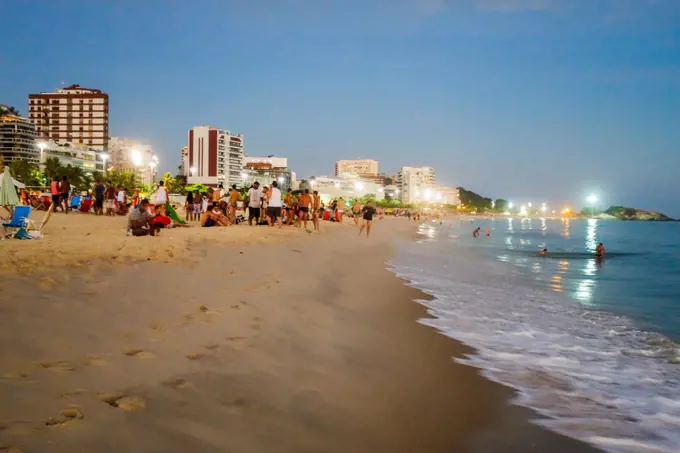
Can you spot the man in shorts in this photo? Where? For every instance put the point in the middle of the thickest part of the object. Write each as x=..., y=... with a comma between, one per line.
x=304, y=200
x=99, y=198
x=234, y=196
x=274, y=205
x=65, y=188
x=368, y=211
x=356, y=211
x=316, y=210
x=139, y=220
x=110, y=199
x=254, y=198
x=341, y=209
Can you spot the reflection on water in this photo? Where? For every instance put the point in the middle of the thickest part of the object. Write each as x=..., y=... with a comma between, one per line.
x=591, y=235
x=584, y=293
x=543, y=225
x=565, y=228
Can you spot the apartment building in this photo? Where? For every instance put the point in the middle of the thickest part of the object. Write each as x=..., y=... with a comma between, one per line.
x=127, y=154
x=80, y=156
x=362, y=167
x=416, y=184
x=72, y=114
x=17, y=138
x=215, y=156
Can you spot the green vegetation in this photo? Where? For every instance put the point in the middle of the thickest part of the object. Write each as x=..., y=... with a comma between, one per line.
x=472, y=201
x=9, y=110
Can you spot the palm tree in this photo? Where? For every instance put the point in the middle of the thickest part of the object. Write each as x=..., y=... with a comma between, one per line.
x=53, y=168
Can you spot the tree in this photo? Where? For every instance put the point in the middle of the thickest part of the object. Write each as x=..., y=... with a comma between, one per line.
x=126, y=180
x=26, y=172
x=74, y=175
x=473, y=200
x=501, y=205
x=53, y=168
x=9, y=110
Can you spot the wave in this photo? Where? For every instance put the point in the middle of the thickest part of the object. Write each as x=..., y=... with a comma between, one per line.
x=593, y=375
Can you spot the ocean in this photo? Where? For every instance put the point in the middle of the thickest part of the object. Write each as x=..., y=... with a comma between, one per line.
x=592, y=346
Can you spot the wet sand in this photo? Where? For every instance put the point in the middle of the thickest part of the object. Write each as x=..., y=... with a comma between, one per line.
x=295, y=343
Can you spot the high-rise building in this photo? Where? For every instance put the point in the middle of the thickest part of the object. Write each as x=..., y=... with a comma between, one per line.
x=215, y=157
x=416, y=184
x=361, y=167
x=126, y=154
x=73, y=114
x=17, y=137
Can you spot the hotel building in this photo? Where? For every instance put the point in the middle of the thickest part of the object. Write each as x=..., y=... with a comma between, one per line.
x=17, y=138
x=416, y=184
x=361, y=167
x=215, y=157
x=72, y=114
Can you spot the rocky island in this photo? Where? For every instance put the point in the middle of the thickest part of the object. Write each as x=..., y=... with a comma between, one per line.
x=624, y=213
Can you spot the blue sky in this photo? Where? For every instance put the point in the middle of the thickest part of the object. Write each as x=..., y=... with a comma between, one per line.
x=524, y=99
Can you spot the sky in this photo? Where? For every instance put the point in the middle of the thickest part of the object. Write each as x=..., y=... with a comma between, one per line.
x=527, y=100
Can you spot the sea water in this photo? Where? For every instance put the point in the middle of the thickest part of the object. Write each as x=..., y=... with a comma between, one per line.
x=591, y=345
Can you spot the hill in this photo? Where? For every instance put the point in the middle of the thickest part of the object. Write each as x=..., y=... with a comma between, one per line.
x=624, y=213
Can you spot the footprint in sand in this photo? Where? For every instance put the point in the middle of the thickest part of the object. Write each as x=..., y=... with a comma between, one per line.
x=139, y=353
x=177, y=384
x=57, y=366
x=211, y=346
x=66, y=416
x=94, y=361
x=123, y=402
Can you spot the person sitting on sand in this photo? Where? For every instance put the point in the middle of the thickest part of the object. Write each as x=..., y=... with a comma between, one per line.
x=162, y=221
x=543, y=252
x=210, y=218
x=139, y=221
x=599, y=250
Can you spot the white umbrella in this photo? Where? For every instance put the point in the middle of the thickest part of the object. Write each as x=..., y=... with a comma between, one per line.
x=17, y=184
x=8, y=193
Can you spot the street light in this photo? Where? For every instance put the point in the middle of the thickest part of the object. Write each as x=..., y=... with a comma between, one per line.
x=193, y=171
x=42, y=145
x=152, y=166
x=136, y=157
x=105, y=157
x=592, y=199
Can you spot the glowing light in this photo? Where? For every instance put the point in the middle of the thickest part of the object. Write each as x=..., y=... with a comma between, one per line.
x=192, y=170
x=380, y=189
x=529, y=204
x=396, y=191
x=358, y=186
x=592, y=199
x=438, y=196
x=312, y=182
x=42, y=146
x=511, y=205
x=281, y=179
x=136, y=157
x=244, y=175
x=337, y=185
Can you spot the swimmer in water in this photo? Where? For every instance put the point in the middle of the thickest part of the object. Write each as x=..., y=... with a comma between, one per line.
x=543, y=252
x=475, y=234
x=488, y=231
x=599, y=250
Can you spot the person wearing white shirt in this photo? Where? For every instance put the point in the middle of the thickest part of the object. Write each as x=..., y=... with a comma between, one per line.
x=274, y=204
x=254, y=202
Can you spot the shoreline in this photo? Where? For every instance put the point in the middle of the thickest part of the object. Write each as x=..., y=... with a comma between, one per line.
x=300, y=344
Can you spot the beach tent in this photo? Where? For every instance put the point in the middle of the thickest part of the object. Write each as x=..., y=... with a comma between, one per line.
x=8, y=191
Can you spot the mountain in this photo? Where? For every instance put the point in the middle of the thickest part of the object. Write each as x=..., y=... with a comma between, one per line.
x=624, y=213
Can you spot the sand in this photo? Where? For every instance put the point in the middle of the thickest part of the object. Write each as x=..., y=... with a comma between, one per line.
x=246, y=340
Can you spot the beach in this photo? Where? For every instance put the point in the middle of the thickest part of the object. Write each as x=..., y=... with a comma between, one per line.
x=243, y=339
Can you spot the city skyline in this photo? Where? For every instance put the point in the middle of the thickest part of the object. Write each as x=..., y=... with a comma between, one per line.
x=519, y=100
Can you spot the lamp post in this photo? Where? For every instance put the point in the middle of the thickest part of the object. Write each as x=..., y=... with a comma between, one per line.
x=152, y=166
x=105, y=157
x=192, y=170
x=42, y=145
x=592, y=199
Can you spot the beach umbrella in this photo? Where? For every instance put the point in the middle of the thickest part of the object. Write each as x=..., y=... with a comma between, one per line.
x=8, y=192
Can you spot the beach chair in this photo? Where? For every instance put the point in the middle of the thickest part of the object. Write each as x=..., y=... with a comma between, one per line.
x=19, y=217
x=32, y=225
x=86, y=205
x=75, y=202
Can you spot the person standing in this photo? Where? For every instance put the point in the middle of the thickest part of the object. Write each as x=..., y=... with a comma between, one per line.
x=274, y=205
x=341, y=209
x=305, y=200
x=234, y=196
x=122, y=201
x=316, y=210
x=56, y=193
x=161, y=196
x=65, y=189
x=368, y=211
x=110, y=197
x=217, y=193
x=356, y=211
x=254, y=203
x=99, y=190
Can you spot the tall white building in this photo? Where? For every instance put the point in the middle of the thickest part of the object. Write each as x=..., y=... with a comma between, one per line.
x=416, y=184
x=215, y=157
x=126, y=154
x=72, y=114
